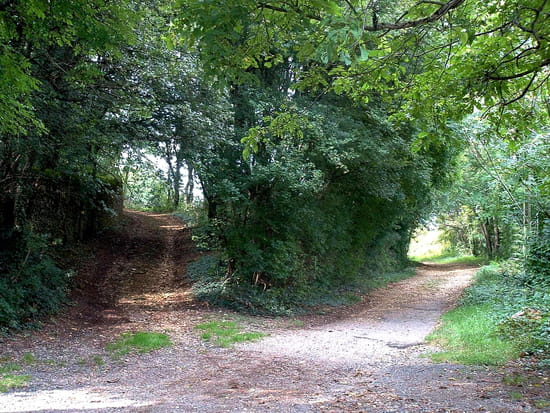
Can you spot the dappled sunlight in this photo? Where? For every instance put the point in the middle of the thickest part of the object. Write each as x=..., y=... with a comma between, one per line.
x=174, y=227
x=157, y=298
x=73, y=399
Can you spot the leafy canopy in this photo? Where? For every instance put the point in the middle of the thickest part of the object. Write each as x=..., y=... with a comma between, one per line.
x=433, y=60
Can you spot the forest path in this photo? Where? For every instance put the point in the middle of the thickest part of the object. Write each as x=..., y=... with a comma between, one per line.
x=363, y=358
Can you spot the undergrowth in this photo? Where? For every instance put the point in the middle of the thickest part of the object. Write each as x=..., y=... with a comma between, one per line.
x=31, y=284
x=211, y=284
x=503, y=315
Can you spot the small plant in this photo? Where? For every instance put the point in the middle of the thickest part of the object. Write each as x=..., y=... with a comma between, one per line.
x=541, y=404
x=226, y=333
x=514, y=380
x=98, y=361
x=28, y=358
x=140, y=342
x=516, y=395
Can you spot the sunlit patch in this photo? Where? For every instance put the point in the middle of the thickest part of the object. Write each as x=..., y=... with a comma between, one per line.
x=157, y=298
x=178, y=227
x=75, y=399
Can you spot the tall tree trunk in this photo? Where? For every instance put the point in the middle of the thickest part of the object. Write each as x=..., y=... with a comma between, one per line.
x=176, y=183
x=485, y=230
x=190, y=185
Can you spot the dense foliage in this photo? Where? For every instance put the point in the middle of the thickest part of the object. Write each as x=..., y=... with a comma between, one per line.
x=433, y=60
x=499, y=205
x=31, y=285
x=57, y=141
x=319, y=202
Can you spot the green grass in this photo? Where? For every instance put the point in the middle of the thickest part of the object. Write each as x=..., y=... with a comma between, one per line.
x=469, y=336
x=9, y=368
x=29, y=358
x=516, y=395
x=515, y=380
x=226, y=333
x=98, y=361
x=9, y=380
x=140, y=342
x=459, y=259
x=450, y=258
x=13, y=381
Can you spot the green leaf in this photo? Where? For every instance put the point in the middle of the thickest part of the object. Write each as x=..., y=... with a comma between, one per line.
x=364, y=53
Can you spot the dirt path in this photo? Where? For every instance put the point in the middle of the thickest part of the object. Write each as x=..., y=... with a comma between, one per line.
x=364, y=358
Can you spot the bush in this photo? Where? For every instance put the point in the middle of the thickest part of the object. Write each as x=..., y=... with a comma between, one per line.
x=31, y=284
x=537, y=263
x=530, y=329
x=212, y=284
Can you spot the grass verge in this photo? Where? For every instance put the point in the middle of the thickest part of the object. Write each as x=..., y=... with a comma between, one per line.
x=140, y=342
x=469, y=335
x=503, y=315
x=450, y=258
x=226, y=333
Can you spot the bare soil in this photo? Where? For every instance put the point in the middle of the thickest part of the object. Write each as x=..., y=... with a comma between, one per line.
x=369, y=357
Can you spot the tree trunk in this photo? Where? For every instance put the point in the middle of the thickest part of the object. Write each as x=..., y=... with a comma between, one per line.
x=190, y=185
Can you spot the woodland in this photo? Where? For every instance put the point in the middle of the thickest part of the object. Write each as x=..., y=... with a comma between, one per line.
x=305, y=140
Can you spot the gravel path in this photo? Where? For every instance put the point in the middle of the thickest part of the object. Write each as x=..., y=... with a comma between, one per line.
x=364, y=358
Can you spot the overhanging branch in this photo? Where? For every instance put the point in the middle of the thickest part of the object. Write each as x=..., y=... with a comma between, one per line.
x=438, y=14
x=444, y=9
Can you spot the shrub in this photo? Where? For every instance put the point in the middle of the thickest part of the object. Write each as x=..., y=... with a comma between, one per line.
x=31, y=284
x=537, y=263
x=530, y=329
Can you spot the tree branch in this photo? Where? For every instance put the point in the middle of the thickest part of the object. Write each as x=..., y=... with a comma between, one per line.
x=542, y=64
x=438, y=14
x=523, y=92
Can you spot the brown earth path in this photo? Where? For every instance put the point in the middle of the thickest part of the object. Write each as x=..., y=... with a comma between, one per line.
x=364, y=358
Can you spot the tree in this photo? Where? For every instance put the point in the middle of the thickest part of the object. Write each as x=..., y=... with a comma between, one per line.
x=28, y=28
x=66, y=51
x=500, y=203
